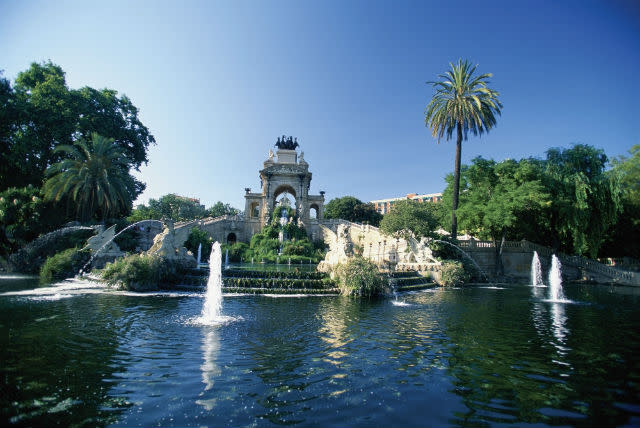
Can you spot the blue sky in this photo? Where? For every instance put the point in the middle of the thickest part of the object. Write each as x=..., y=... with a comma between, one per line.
x=217, y=82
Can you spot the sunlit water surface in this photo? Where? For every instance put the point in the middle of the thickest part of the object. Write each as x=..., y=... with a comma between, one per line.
x=78, y=355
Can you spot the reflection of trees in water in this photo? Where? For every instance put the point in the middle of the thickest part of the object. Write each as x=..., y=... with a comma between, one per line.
x=526, y=361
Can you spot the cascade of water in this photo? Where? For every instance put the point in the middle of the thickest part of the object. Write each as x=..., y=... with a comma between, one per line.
x=82, y=270
x=536, y=271
x=226, y=259
x=213, y=299
x=199, y=255
x=555, y=280
x=465, y=255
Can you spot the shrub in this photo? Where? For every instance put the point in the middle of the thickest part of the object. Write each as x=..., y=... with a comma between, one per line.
x=453, y=273
x=143, y=272
x=237, y=251
x=360, y=277
x=196, y=237
x=64, y=264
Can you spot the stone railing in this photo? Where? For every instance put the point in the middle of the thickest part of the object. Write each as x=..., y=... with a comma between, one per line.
x=588, y=265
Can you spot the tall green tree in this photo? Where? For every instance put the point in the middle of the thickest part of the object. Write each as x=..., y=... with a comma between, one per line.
x=462, y=103
x=172, y=206
x=623, y=239
x=586, y=199
x=352, y=209
x=94, y=178
x=220, y=209
x=408, y=217
x=40, y=112
x=497, y=198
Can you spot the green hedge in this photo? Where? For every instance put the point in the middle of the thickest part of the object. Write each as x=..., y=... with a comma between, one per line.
x=279, y=290
x=239, y=273
x=271, y=283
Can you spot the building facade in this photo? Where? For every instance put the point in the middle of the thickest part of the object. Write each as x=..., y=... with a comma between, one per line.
x=384, y=205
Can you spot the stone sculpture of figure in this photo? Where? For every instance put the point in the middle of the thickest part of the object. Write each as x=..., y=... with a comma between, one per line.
x=301, y=156
x=285, y=143
x=271, y=153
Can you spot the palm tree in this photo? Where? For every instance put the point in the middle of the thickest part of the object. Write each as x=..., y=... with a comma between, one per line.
x=95, y=177
x=462, y=103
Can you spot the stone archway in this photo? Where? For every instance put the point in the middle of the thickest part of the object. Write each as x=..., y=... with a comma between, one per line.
x=284, y=171
x=314, y=212
x=232, y=238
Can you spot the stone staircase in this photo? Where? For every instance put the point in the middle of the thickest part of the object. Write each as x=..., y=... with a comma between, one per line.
x=409, y=280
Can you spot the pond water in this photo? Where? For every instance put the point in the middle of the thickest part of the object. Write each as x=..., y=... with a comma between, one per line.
x=79, y=355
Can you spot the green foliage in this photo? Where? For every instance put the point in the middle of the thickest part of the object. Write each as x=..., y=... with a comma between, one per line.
x=623, y=239
x=143, y=272
x=178, y=208
x=360, y=277
x=292, y=274
x=409, y=217
x=567, y=201
x=586, y=200
x=196, y=237
x=23, y=216
x=220, y=209
x=463, y=103
x=237, y=251
x=40, y=113
x=94, y=178
x=453, y=274
x=297, y=248
x=352, y=209
x=64, y=264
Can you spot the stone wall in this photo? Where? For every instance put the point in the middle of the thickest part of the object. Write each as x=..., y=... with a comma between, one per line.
x=517, y=256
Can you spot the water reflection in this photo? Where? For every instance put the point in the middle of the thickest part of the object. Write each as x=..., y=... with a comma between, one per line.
x=209, y=368
x=210, y=350
x=559, y=329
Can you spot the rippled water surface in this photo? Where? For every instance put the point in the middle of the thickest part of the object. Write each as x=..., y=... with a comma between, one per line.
x=78, y=355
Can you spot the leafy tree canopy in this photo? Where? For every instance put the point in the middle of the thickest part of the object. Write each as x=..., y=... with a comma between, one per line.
x=40, y=113
x=178, y=208
x=220, y=209
x=408, y=217
x=586, y=200
x=94, y=178
x=495, y=196
x=628, y=169
x=567, y=201
x=352, y=209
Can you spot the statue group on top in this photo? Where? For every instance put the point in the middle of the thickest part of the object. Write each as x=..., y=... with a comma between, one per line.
x=287, y=143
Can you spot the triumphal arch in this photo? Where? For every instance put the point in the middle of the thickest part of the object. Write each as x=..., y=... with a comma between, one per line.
x=284, y=171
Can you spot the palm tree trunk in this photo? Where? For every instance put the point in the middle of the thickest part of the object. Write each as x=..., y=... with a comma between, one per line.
x=456, y=184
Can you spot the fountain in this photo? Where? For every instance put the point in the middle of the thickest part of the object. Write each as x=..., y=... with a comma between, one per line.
x=213, y=298
x=22, y=257
x=93, y=256
x=555, y=281
x=465, y=255
x=536, y=271
x=226, y=259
